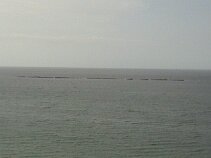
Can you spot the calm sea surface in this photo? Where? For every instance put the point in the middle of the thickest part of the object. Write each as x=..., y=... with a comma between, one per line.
x=90, y=115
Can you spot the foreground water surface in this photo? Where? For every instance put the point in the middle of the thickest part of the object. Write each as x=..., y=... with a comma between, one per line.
x=104, y=113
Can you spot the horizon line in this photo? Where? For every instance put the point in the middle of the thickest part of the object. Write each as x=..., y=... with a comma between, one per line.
x=117, y=68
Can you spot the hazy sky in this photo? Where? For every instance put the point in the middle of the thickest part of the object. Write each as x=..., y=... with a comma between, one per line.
x=106, y=33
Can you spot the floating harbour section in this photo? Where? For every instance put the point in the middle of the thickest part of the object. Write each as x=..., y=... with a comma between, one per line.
x=102, y=78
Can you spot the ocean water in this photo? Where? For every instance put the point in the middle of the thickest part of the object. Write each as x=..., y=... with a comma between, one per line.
x=104, y=113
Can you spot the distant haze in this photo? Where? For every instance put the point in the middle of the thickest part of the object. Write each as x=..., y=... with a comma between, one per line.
x=170, y=34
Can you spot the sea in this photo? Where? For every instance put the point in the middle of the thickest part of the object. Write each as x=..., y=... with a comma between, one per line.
x=104, y=113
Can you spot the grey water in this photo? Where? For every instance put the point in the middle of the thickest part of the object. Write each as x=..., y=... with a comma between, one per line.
x=77, y=117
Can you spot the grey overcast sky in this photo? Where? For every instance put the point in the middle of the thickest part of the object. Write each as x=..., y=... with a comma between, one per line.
x=106, y=33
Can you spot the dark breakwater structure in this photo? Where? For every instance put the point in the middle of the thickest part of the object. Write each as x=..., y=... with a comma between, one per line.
x=102, y=78
x=45, y=77
x=160, y=79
